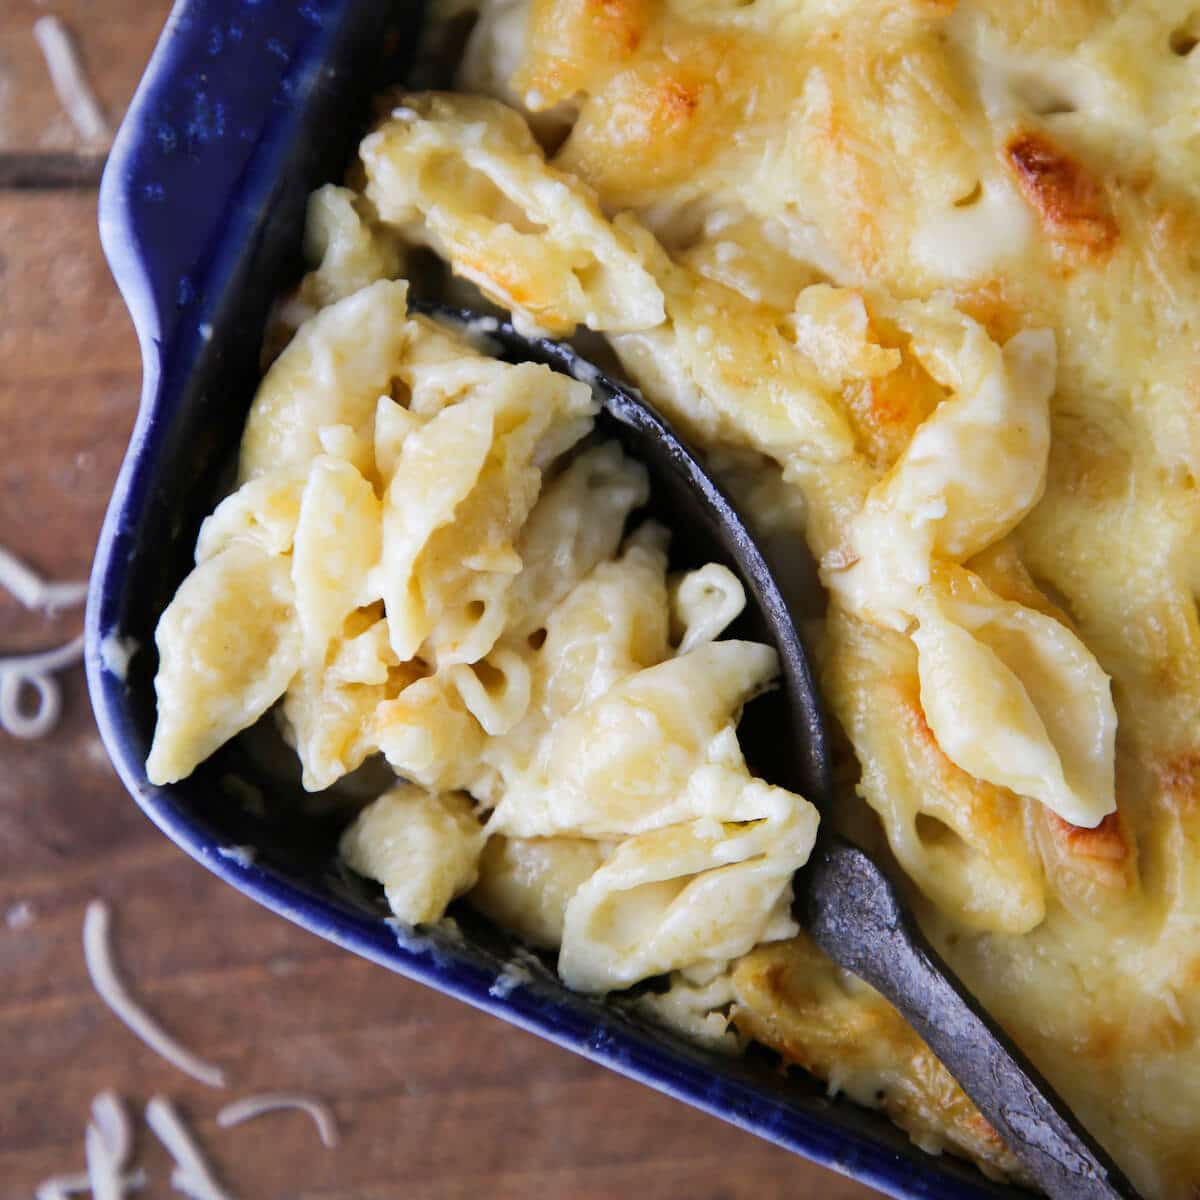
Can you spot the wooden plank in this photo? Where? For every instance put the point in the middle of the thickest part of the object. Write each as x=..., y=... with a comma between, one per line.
x=49, y=170
x=69, y=379
x=114, y=39
x=436, y=1102
x=430, y=1095
x=426, y=1092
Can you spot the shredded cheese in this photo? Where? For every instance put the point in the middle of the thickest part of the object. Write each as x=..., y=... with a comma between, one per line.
x=97, y=952
x=108, y=1138
x=34, y=592
x=107, y=1142
x=60, y=1186
x=192, y=1176
x=70, y=82
x=20, y=671
x=250, y=1107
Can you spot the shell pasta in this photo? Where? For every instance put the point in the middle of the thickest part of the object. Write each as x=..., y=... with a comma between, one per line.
x=919, y=281
x=452, y=585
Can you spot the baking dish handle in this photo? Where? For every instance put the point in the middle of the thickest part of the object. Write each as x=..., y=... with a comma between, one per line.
x=221, y=82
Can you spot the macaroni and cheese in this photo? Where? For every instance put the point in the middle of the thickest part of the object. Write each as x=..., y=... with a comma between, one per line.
x=920, y=279
x=427, y=559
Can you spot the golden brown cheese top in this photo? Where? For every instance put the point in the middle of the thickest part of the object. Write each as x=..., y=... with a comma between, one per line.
x=1031, y=166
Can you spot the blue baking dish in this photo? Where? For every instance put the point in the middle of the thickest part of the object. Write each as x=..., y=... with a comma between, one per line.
x=245, y=107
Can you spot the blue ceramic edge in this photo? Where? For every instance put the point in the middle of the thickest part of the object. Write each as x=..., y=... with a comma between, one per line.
x=140, y=267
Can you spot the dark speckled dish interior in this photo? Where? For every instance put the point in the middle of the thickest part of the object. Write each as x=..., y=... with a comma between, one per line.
x=245, y=107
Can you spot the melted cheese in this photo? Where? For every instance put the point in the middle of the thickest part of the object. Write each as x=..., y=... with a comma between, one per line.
x=1032, y=168
x=495, y=640
x=926, y=294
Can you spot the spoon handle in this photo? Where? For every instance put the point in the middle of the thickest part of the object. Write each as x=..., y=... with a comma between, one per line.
x=855, y=916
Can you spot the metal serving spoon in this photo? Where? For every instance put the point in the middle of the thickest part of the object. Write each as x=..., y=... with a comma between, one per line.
x=843, y=899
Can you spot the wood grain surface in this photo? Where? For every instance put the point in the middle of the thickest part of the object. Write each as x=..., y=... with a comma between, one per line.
x=434, y=1100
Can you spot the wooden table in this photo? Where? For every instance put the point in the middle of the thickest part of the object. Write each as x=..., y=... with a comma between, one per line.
x=434, y=1100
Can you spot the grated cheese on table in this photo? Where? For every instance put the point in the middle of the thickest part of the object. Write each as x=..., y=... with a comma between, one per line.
x=250, y=1107
x=108, y=1138
x=34, y=592
x=192, y=1175
x=108, y=1142
x=97, y=952
x=70, y=83
x=58, y=1187
x=19, y=672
